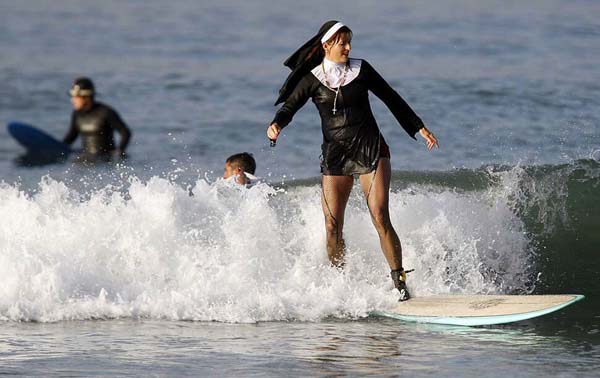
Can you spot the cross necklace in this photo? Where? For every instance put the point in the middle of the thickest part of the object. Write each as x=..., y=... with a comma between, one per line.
x=338, y=88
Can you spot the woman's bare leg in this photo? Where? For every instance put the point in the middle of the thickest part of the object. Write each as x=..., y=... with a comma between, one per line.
x=336, y=191
x=376, y=186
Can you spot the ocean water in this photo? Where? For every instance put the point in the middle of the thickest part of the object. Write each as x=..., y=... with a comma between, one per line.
x=156, y=267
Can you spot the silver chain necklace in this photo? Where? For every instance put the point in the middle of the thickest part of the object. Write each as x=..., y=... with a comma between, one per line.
x=334, y=110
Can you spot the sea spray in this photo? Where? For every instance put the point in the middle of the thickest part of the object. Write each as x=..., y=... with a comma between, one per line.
x=219, y=251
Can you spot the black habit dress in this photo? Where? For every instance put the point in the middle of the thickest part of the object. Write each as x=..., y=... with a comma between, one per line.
x=352, y=142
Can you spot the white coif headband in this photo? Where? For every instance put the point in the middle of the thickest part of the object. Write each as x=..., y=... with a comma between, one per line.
x=332, y=31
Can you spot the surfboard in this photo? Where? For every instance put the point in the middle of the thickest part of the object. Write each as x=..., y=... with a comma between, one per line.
x=37, y=142
x=476, y=310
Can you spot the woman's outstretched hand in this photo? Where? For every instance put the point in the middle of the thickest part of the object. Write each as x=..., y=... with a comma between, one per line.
x=273, y=131
x=429, y=138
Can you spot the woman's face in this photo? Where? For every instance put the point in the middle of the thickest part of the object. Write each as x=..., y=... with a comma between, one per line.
x=338, y=51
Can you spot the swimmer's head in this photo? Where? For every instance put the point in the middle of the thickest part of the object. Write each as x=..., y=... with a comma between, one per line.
x=82, y=93
x=238, y=164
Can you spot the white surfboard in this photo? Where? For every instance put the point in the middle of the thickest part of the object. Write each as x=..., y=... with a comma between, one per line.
x=475, y=310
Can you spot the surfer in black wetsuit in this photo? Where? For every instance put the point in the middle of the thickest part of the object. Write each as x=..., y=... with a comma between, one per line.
x=352, y=142
x=95, y=122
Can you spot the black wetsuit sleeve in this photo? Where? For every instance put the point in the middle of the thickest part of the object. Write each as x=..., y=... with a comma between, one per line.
x=73, y=131
x=116, y=123
x=295, y=101
x=407, y=118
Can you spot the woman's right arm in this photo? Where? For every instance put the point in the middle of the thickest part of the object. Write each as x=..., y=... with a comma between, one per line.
x=293, y=103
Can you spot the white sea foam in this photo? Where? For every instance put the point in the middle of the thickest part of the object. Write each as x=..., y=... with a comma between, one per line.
x=232, y=254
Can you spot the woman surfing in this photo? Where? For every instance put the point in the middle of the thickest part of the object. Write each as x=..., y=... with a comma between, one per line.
x=352, y=143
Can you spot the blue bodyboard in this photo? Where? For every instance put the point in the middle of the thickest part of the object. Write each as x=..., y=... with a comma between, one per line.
x=37, y=142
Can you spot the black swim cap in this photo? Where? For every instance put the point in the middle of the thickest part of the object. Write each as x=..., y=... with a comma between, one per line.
x=82, y=86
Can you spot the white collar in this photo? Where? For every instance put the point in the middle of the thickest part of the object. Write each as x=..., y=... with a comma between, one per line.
x=335, y=71
x=330, y=65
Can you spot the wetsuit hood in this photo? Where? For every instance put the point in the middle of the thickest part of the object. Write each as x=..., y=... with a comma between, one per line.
x=82, y=86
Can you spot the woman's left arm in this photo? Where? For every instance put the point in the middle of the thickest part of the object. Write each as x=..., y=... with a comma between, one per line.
x=429, y=138
x=408, y=119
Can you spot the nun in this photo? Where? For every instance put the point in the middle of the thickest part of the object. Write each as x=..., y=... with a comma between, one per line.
x=352, y=143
